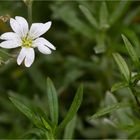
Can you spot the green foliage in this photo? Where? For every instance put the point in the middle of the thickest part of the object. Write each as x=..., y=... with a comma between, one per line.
x=122, y=66
x=117, y=86
x=89, y=16
x=69, y=130
x=51, y=127
x=118, y=12
x=52, y=102
x=131, y=51
x=131, y=82
x=104, y=16
x=109, y=109
x=73, y=108
x=85, y=34
x=27, y=111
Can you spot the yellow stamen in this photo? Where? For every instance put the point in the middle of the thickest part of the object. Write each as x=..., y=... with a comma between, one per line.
x=26, y=42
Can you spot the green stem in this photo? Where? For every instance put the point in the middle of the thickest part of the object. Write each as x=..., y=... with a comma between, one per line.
x=134, y=92
x=30, y=11
x=50, y=136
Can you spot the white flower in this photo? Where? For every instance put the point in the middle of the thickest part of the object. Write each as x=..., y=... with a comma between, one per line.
x=27, y=39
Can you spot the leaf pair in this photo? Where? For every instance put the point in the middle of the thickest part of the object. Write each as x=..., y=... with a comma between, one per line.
x=123, y=66
x=110, y=105
x=103, y=18
x=51, y=127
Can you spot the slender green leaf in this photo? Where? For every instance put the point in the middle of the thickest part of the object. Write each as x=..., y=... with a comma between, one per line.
x=118, y=86
x=72, y=19
x=52, y=101
x=69, y=130
x=104, y=16
x=135, y=78
x=26, y=111
x=109, y=109
x=133, y=38
x=46, y=124
x=119, y=11
x=33, y=131
x=122, y=66
x=89, y=16
x=100, y=39
x=73, y=108
x=131, y=50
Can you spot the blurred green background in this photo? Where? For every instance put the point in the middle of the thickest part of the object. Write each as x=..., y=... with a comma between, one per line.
x=83, y=55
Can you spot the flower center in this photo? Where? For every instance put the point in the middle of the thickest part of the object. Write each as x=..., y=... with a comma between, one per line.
x=27, y=43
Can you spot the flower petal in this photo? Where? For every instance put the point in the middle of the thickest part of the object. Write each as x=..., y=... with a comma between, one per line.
x=43, y=41
x=21, y=56
x=30, y=56
x=23, y=24
x=47, y=25
x=16, y=27
x=10, y=36
x=10, y=44
x=43, y=49
x=38, y=29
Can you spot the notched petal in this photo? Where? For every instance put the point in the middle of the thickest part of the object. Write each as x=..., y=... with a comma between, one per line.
x=10, y=44
x=23, y=25
x=10, y=36
x=44, y=49
x=30, y=56
x=43, y=41
x=21, y=56
x=38, y=29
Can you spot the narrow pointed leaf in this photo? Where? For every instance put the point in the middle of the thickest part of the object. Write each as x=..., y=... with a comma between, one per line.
x=104, y=16
x=73, y=108
x=26, y=111
x=109, y=109
x=52, y=101
x=46, y=124
x=72, y=19
x=118, y=86
x=89, y=16
x=122, y=66
x=119, y=11
x=69, y=130
x=32, y=131
x=131, y=50
x=135, y=79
